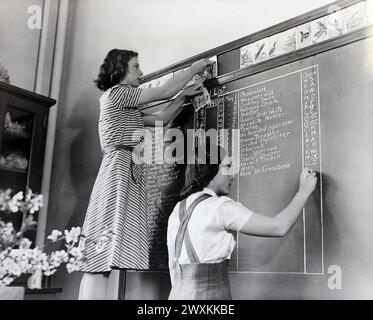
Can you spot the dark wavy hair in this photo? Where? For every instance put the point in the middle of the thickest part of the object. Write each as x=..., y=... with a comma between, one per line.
x=114, y=68
x=199, y=174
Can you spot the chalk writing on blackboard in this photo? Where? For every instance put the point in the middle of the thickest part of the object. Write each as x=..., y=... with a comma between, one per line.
x=163, y=185
x=311, y=132
x=262, y=122
x=278, y=122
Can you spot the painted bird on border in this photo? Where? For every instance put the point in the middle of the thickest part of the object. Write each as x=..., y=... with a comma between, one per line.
x=322, y=30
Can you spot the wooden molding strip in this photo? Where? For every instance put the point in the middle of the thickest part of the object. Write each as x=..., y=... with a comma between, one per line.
x=23, y=93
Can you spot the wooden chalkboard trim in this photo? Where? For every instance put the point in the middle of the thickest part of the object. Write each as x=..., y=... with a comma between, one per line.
x=278, y=28
x=293, y=56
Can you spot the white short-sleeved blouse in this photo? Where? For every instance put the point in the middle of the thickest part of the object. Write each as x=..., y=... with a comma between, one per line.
x=209, y=227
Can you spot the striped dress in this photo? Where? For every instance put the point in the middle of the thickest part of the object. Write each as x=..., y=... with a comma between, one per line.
x=115, y=227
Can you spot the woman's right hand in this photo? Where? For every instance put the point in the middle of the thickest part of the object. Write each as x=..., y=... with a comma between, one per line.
x=201, y=65
x=193, y=90
x=307, y=182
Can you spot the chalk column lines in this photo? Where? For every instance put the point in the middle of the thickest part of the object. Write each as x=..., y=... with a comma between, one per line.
x=311, y=144
x=303, y=210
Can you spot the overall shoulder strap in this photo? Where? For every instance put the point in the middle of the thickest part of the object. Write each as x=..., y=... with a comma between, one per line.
x=182, y=233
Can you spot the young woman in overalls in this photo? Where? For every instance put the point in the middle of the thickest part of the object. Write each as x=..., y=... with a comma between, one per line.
x=198, y=237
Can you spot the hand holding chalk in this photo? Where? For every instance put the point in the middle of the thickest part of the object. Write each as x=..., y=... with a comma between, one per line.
x=307, y=182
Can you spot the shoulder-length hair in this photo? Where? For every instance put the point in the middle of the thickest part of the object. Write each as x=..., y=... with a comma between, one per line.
x=114, y=68
x=199, y=174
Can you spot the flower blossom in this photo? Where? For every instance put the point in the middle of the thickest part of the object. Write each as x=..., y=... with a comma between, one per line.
x=8, y=230
x=76, y=252
x=58, y=257
x=4, y=199
x=72, y=236
x=54, y=235
x=14, y=204
x=33, y=201
x=25, y=244
x=71, y=267
x=7, y=235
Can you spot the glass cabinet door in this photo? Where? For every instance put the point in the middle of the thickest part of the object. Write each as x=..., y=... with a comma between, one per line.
x=23, y=132
x=15, y=150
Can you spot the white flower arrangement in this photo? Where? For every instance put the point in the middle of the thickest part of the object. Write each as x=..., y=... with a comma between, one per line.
x=16, y=255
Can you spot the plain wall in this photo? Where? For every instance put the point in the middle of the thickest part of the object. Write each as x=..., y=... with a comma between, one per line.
x=163, y=32
x=19, y=45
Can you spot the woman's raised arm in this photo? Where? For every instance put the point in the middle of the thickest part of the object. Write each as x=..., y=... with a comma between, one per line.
x=279, y=225
x=173, y=108
x=173, y=86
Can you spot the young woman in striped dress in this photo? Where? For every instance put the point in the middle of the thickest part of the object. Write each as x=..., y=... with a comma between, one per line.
x=115, y=228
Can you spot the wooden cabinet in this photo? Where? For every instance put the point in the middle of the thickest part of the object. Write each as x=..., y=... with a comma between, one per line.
x=23, y=132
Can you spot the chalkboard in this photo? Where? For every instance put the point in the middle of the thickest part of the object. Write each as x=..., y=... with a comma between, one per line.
x=317, y=112
x=278, y=120
x=291, y=117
